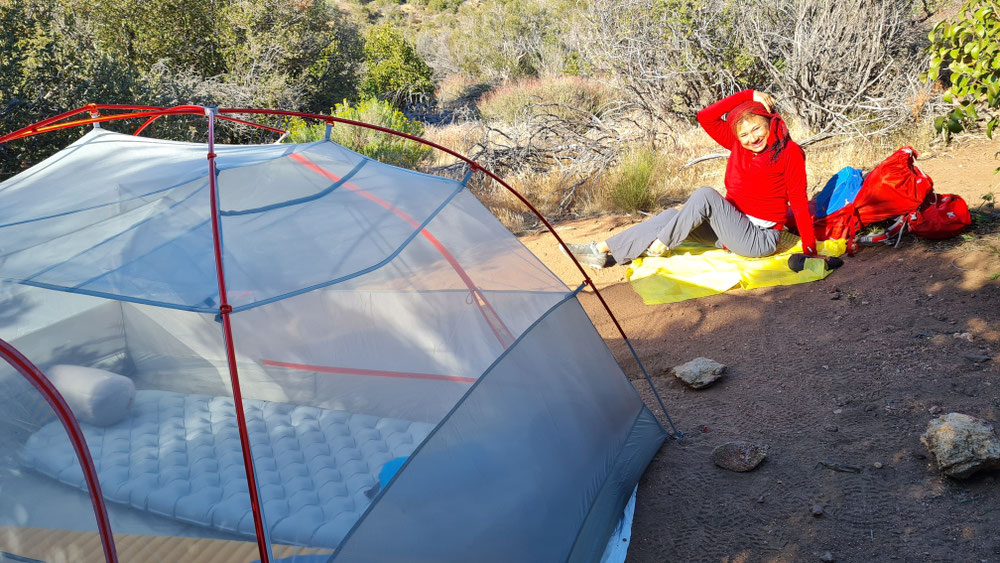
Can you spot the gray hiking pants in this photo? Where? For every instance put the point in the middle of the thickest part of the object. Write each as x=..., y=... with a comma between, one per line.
x=706, y=218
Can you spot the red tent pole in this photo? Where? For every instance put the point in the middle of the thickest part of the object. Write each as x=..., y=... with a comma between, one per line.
x=263, y=545
x=65, y=415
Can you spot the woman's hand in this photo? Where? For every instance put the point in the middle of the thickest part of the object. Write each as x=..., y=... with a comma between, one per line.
x=764, y=99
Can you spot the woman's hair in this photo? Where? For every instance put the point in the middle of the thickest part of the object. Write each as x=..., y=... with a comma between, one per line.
x=776, y=125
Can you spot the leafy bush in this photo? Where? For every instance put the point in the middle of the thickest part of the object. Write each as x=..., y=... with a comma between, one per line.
x=393, y=69
x=965, y=57
x=57, y=55
x=383, y=147
x=46, y=68
x=630, y=185
x=563, y=96
x=500, y=40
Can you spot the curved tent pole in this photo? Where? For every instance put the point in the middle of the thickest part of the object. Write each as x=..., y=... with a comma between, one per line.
x=131, y=112
x=55, y=400
x=225, y=309
x=147, y=111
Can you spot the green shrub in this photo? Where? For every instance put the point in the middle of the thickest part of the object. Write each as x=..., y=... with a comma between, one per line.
x=501, y=40
x=564, y=96
x=965, y=57
x=383, y=147
x=630, y=185
x=393, y=69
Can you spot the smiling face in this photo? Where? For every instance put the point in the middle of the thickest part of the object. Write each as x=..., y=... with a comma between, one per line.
x=752, y=132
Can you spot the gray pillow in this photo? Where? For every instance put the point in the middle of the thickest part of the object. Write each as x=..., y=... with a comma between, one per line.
x=95, y=396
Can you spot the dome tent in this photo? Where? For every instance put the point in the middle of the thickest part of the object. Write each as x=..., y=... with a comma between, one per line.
x=257, y=351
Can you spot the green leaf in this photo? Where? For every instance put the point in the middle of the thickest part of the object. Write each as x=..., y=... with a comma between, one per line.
x=954, y=126
x=991, y=126
x=938, y=123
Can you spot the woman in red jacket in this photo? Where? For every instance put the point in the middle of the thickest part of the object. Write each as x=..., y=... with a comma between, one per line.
x=765, y=175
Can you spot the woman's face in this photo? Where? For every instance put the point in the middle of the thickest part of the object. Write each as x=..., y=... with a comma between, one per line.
x=752, y=133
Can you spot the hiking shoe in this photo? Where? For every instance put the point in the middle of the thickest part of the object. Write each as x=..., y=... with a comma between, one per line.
x=588, y=255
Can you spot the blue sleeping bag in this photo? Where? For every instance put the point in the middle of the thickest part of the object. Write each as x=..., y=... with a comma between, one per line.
x=840, y=190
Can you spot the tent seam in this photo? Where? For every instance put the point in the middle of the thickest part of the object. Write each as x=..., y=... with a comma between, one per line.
x=358, y=273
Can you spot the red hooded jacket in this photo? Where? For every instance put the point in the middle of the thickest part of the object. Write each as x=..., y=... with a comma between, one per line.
x=759, y=184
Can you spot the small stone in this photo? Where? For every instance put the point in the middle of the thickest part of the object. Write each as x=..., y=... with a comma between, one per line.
x=838, y=411
x=817, y=510
x=935, y=410
x=824, y=366
x=760, y=499
x=962, y=444
x=835, y=297
x=831, y=428
x=739, y=456
x=963, y=336
x=978, y=358
x=877, y=465
x=699, y=372
x=863, y=302
x=827, y=556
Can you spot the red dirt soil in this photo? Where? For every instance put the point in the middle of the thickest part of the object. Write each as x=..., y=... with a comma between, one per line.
x=841, y=371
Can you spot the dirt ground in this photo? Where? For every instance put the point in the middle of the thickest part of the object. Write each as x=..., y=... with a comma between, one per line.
x=841, y=371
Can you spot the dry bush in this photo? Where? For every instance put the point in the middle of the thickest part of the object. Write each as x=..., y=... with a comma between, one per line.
x=835, y=73
x=670, y=57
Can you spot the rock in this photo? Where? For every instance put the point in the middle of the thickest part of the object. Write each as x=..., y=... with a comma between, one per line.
x=878, y=465
x=935, y=410
x=699, y=372
x=817, y=510
x=831, y=428
x=978, y=358
x=962, y=444
x=827, y=556
x=739, y=456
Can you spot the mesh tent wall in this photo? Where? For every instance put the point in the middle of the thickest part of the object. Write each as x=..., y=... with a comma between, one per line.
x=313, y=354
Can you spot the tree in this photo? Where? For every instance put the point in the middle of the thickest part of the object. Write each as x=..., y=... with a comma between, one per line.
x=965, y=58
x=393, y=69
x=48, y=66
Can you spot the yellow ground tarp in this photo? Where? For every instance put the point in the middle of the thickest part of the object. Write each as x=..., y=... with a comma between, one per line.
x=694, y=270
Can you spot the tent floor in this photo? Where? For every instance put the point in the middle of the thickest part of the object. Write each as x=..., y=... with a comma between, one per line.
x=66, y=546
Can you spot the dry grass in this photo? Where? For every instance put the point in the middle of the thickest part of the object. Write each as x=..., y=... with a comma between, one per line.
x=458, y=90
x=564, y=96
x=459, y=137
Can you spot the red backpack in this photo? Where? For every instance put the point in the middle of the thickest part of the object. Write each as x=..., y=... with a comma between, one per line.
x=945, y=216
x=895, y=187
